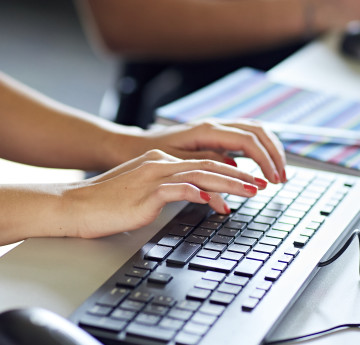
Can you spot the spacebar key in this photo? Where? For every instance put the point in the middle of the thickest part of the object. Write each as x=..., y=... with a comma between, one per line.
x=150, y=332
x=183, y=253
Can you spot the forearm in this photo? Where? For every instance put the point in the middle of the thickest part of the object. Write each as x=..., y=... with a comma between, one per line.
x=39, y=131
x=179, y=29
x=31, y=211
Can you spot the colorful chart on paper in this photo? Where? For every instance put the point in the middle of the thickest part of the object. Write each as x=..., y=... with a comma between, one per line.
x=249, y=93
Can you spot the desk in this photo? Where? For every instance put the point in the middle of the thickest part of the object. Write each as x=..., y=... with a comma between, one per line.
x=59, y=274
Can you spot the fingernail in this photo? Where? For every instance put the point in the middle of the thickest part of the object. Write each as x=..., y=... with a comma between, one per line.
x=260, y=182
x=276, y=177
x=230, y=161
x=205, y=196
x=250, y=188
x=284, y=176
x=227, y=209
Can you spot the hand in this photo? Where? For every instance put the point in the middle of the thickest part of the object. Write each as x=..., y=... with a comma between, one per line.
x=213, y=140
x=133, y=194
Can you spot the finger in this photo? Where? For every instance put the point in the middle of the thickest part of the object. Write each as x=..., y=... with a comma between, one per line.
x=271, y=143
x=214, y=182
x=183, y=191
x=236, y=139
x=194, y=168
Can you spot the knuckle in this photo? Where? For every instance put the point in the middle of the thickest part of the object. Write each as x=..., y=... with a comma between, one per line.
x=208, y=164
x=154, y=155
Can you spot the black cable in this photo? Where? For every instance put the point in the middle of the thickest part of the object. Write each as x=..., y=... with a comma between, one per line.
x=328, y=330
x=315, y=334
x=342, y=250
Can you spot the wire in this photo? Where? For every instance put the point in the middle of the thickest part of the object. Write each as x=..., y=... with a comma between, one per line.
x=315, y=334
x=328, y=330
x=342, y=250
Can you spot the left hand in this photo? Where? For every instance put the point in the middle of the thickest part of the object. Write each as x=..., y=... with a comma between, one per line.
x=213, y=140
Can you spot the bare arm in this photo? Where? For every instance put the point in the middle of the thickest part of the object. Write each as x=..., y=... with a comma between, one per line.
x=39, y=131
x=180, y=29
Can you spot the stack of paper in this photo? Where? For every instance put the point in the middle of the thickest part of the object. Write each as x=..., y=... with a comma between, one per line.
x=250, y=94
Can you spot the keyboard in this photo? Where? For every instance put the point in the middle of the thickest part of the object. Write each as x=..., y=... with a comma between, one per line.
x=211, y=279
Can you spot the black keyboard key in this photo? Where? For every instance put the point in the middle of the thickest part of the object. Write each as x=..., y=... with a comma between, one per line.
x=205, y=319
x=183, y=253
x=99, y=310
x=130, y=282
x=132, y=305
x=207, y=284
x=242, y=218
x=146, y=264
x=300, y=241
x=141, y=296
x=150, y=332
x=180, y=230
x=216, y=217
x=159, y=278
x=184, y=338
x=248, y=267
x=181, y=314
x=247, y=241
x=219, y=265
x=252, y=234
x=277, y=234
x=258, y=256
x=286, y=258
x=237, y=280
x=114, y=297
x=208, y=254
x=210, y=225
x=188, y=305
x=204, y=232
x=147, y=319
x=196, y=328
x=258, y=226
x=228, y=255
x=222, y=239
x=271, y=241
x=264, y=220
x=170, y=241
x=103, y=323
x=212, y=309
x=198, y=294
x=249, y=304
x=219, y=247
x=221, y=298
x=170, y=323
x=121, y=314
x=264, y=248
x=137, y=272
x=239, y=248
x=229, y=232
x=229, y=288
x=272, y=275
x=158, y=253
x=216, y=276
x=192, y=214
x=166, y=301
x=197, y=239
x=235, y=225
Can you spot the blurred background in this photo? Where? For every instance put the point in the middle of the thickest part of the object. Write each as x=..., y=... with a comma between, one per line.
x=43, y=45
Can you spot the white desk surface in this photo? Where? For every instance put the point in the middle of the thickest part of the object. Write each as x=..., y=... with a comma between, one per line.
x=59, y=274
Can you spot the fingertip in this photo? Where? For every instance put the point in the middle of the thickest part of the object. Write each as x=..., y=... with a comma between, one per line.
x=230, y=161
x=205, y=196
x=261, y=183
x=250, y=189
